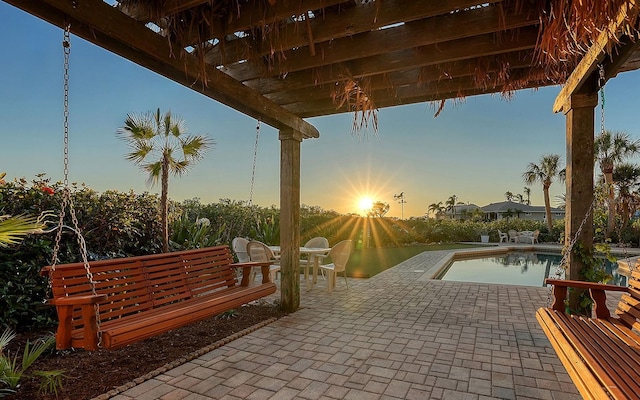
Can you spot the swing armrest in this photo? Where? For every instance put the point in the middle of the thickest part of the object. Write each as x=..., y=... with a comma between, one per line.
x=78, y=300
x=65, y=306
x=597, y=291
x=246, y=270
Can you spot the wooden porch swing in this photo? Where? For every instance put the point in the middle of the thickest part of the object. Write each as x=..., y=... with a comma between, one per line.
x=112, y=303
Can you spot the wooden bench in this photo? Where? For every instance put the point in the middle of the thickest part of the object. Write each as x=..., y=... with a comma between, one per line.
x=140, y=297
x=601, y=353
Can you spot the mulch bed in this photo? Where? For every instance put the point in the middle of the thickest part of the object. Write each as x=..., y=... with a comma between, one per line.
x=90, y=374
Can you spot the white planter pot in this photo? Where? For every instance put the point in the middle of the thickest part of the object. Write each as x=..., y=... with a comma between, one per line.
x=484, y=238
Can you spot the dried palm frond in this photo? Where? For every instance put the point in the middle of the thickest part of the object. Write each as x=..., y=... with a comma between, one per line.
x=569, y=27
x=354, y=95
x=438, y=105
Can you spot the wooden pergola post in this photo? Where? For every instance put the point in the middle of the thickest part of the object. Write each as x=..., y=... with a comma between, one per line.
x=579, y=112
x=290, y=219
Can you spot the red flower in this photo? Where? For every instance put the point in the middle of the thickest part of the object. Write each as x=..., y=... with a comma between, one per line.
x=47, y=190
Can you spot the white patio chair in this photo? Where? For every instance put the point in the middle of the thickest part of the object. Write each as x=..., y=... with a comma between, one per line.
x=339, y=254
x=503, y=236
x=316, y=242
x=513, y=236
x=259, y=251
x=528, y=236
x=239, y=246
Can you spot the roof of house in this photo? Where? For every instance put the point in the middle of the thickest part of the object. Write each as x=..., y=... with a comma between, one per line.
x=505, y=206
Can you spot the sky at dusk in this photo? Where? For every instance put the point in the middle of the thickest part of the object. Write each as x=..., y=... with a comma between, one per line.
x=476, y=149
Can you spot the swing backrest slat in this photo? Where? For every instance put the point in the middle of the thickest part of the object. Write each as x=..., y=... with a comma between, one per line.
x=628, y=309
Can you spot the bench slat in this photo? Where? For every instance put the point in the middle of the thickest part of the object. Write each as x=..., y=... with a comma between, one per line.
x=605, y=365
x=182, y=314
x=582, y=344
x=586, y=383
x=601, y=354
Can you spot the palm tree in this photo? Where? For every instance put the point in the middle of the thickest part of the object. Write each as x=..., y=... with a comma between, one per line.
x=611, y=148
x=436, y=209
x=508, y=195
x=626, y=177
x=561, y=201
x=545, y=173
x=451, y=205
x=527, y=191
x=160, y=145
x=520, y=198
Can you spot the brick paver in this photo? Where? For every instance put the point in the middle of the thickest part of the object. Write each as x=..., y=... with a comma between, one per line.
x=398, y=335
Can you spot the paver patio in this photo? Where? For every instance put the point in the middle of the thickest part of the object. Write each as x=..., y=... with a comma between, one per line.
x=398, y=335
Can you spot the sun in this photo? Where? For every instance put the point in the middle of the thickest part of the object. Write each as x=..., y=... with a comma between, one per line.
x=365, y=203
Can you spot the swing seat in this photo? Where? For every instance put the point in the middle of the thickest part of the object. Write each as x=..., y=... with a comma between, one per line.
x=601, y=353
x=141, y=297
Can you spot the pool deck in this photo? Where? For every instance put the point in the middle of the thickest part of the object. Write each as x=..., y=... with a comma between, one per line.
x=397, y=335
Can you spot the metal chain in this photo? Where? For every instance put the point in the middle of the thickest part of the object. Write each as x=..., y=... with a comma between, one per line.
x=66, y=193
x=601, y=82
x=66, y=46
x=255, y=158
x=562, y=266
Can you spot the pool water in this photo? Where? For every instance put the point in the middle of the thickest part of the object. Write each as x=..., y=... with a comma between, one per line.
x=515, y=268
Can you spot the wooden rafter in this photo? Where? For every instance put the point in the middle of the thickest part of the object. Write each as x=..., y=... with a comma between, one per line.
x=382, y=42
x=453, y=50
x=310, y=79
x=341, y=29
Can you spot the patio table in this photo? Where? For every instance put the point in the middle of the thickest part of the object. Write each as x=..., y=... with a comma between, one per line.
x=316, y=253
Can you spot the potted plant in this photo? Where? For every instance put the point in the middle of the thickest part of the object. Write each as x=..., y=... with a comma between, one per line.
x=484, y=234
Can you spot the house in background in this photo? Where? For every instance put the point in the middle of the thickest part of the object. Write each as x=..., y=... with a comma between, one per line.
x=462, y=212
x=505, y=209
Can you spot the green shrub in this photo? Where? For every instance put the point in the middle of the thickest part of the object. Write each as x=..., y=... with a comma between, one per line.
x=11, y=372
x=194, y=234
x=113, y=224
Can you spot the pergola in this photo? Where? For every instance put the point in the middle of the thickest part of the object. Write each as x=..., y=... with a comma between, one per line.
x=280, y=61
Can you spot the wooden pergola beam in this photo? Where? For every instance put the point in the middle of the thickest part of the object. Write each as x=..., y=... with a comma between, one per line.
x=403, y=84
x=335, y=43
x=318, y=77
x=596, y=54
x=432, y=32
x=107, y=27
x=322, y=108
x=453, y=50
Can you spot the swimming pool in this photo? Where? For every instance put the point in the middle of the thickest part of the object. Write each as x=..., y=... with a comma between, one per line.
x=514, y=268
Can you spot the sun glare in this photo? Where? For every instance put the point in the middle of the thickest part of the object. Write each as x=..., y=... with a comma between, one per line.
x=365, y=203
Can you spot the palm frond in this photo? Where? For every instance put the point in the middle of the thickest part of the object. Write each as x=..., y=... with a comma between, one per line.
x=13, y=229
x=155, y=172
x=194, y=147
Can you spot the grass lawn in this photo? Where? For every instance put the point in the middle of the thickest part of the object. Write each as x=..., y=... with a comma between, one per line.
x=365, y=263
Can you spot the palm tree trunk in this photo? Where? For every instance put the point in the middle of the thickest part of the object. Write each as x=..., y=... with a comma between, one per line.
x=626, y=214
x=547, y=207
x=164, y=203
x=611, y=202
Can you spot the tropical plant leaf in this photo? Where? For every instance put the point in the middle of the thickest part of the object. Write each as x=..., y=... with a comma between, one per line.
x=13, y=229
